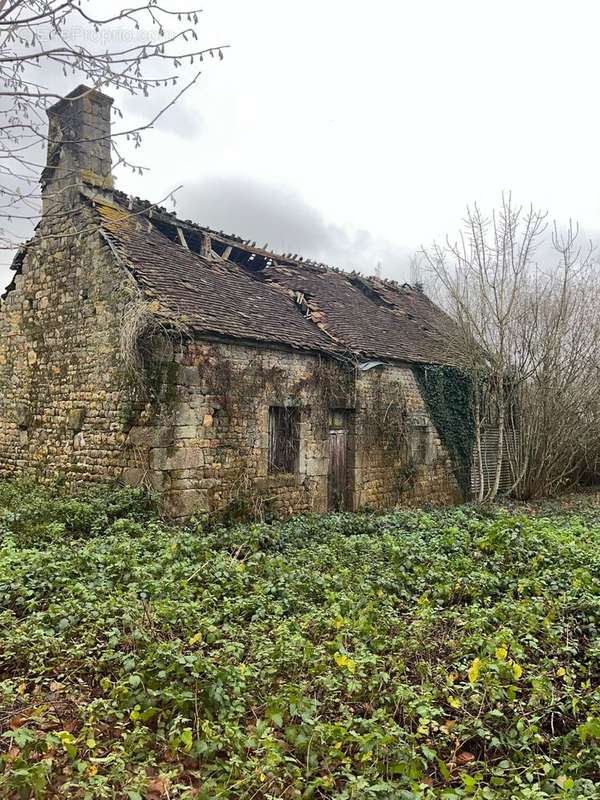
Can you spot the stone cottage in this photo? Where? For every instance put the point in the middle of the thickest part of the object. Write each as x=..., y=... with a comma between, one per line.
x=140, y=347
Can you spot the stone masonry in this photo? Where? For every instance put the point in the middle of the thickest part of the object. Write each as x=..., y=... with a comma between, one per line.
x=86, y=396
x=206, y=446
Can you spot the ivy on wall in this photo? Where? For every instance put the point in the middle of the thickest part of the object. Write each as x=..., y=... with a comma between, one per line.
x=448, y=394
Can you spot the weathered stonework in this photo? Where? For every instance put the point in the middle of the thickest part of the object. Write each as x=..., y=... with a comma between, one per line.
x=178, y=411
x=69, y=409
x=61, y=377
x=208, y=447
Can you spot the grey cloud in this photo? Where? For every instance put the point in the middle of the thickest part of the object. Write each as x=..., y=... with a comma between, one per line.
x=175, y=119
x=281, y=218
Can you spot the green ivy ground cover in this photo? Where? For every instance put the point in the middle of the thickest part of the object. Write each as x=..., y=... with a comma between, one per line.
x=445, y=654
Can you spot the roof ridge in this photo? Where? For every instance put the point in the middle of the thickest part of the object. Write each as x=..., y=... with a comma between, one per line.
x=288, y=259
x=226, y=287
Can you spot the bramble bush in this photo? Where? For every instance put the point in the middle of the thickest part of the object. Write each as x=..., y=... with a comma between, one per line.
x=445, y=654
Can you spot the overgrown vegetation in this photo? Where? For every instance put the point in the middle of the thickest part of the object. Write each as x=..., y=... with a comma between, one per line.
x=411, y=655
x=448, y=393
x=148, y=338
x=385, y=419
x=526, y=302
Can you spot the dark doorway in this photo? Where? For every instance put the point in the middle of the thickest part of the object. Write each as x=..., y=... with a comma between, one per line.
x=340, y=495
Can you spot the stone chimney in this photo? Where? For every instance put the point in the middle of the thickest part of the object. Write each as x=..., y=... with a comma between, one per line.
x=79, y=150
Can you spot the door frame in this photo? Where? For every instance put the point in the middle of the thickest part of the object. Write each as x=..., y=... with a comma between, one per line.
x=341, y=421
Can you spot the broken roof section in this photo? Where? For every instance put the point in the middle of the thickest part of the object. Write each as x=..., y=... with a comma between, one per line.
x=224, y=286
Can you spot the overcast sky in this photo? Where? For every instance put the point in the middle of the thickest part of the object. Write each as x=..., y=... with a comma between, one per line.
x=354, y=132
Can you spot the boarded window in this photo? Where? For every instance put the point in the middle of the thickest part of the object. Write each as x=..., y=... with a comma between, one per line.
x=338, y=418
x=284, y=439
x=419, y=444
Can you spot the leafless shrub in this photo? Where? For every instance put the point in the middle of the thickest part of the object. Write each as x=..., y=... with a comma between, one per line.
x=147, y=331
x=531, y=335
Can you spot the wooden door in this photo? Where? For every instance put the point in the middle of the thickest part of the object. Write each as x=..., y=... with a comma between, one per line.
x=338, y=469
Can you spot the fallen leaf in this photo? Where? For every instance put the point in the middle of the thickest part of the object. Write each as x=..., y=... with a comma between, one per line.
x=13, y=752
x=517, y=670
x=156, y=789
x=474, y=670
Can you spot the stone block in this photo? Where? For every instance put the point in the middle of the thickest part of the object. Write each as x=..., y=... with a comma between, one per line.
x=185, y=432
x=189, y=376
x=158, y=480
x=151, y=436
x=187, y=502
x=22, y=415
x=75, y=419
x=133, y=476
x=185, y=414
x=175, y=459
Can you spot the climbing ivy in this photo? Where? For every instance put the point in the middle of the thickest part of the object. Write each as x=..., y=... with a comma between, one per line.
x=448, y=393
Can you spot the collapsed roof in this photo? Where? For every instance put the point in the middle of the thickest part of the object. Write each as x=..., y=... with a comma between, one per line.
x=222, y=286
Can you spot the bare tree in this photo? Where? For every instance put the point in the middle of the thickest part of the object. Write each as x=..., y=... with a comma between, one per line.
x=559, y=405
x=533, y=362
x=43, y=40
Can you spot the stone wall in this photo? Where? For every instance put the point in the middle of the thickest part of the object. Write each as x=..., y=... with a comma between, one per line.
x=206, y=447
x=61, y=379
x=205, y=444
x=400, y=459
x=194, y=422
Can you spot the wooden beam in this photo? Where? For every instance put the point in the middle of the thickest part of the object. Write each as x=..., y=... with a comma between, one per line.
x=182, y=238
